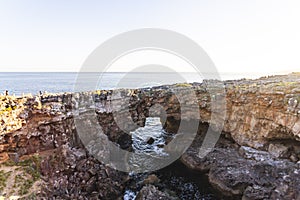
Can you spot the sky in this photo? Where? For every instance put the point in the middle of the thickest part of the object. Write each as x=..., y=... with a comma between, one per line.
x=239, y=36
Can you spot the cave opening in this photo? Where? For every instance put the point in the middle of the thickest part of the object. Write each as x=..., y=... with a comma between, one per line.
x=176, y=180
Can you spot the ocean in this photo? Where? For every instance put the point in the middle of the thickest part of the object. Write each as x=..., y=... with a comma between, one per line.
x=20, y=83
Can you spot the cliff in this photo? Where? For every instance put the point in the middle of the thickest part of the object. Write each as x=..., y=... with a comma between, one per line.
x=261, y=116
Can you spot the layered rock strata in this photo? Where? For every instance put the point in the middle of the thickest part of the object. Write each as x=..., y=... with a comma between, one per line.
x=262, y=119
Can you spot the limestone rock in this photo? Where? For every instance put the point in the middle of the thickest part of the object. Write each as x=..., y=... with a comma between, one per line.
x=258, y=112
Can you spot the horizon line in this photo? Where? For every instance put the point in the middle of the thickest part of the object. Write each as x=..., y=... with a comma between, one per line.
x=278, y=72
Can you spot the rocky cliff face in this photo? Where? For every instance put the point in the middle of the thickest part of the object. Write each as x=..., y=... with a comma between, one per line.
x=263, y=115
x=263, y=110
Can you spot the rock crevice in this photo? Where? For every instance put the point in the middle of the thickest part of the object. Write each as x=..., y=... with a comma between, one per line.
x=262, y=121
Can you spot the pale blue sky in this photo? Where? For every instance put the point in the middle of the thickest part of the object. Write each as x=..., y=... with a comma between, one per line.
x=239, y=36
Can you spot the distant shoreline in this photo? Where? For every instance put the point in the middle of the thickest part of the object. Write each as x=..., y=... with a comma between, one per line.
x=44, y=83
x=20, y=83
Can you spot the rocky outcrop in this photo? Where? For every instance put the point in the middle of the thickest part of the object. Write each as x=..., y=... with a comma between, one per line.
x=262, y=116
x=263, y=110
x=65, y=168
x=257, y=111
x=70, y=173
x=242, y=172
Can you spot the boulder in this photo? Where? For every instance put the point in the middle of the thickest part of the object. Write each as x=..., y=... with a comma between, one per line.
x=278, y=150
x=150, y=141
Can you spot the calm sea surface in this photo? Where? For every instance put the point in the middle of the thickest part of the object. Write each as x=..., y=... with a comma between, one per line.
x=19, y=83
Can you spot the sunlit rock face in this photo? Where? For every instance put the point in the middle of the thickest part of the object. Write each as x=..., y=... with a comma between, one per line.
x=257, y=111
x=262, y=114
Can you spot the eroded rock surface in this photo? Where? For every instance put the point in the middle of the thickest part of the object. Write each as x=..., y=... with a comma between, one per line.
x=262, y=119
x=244, y=172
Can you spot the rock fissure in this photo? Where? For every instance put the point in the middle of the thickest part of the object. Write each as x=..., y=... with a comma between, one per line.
x=256, y=157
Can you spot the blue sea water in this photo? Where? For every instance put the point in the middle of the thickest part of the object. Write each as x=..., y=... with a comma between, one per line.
x=55, y=82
